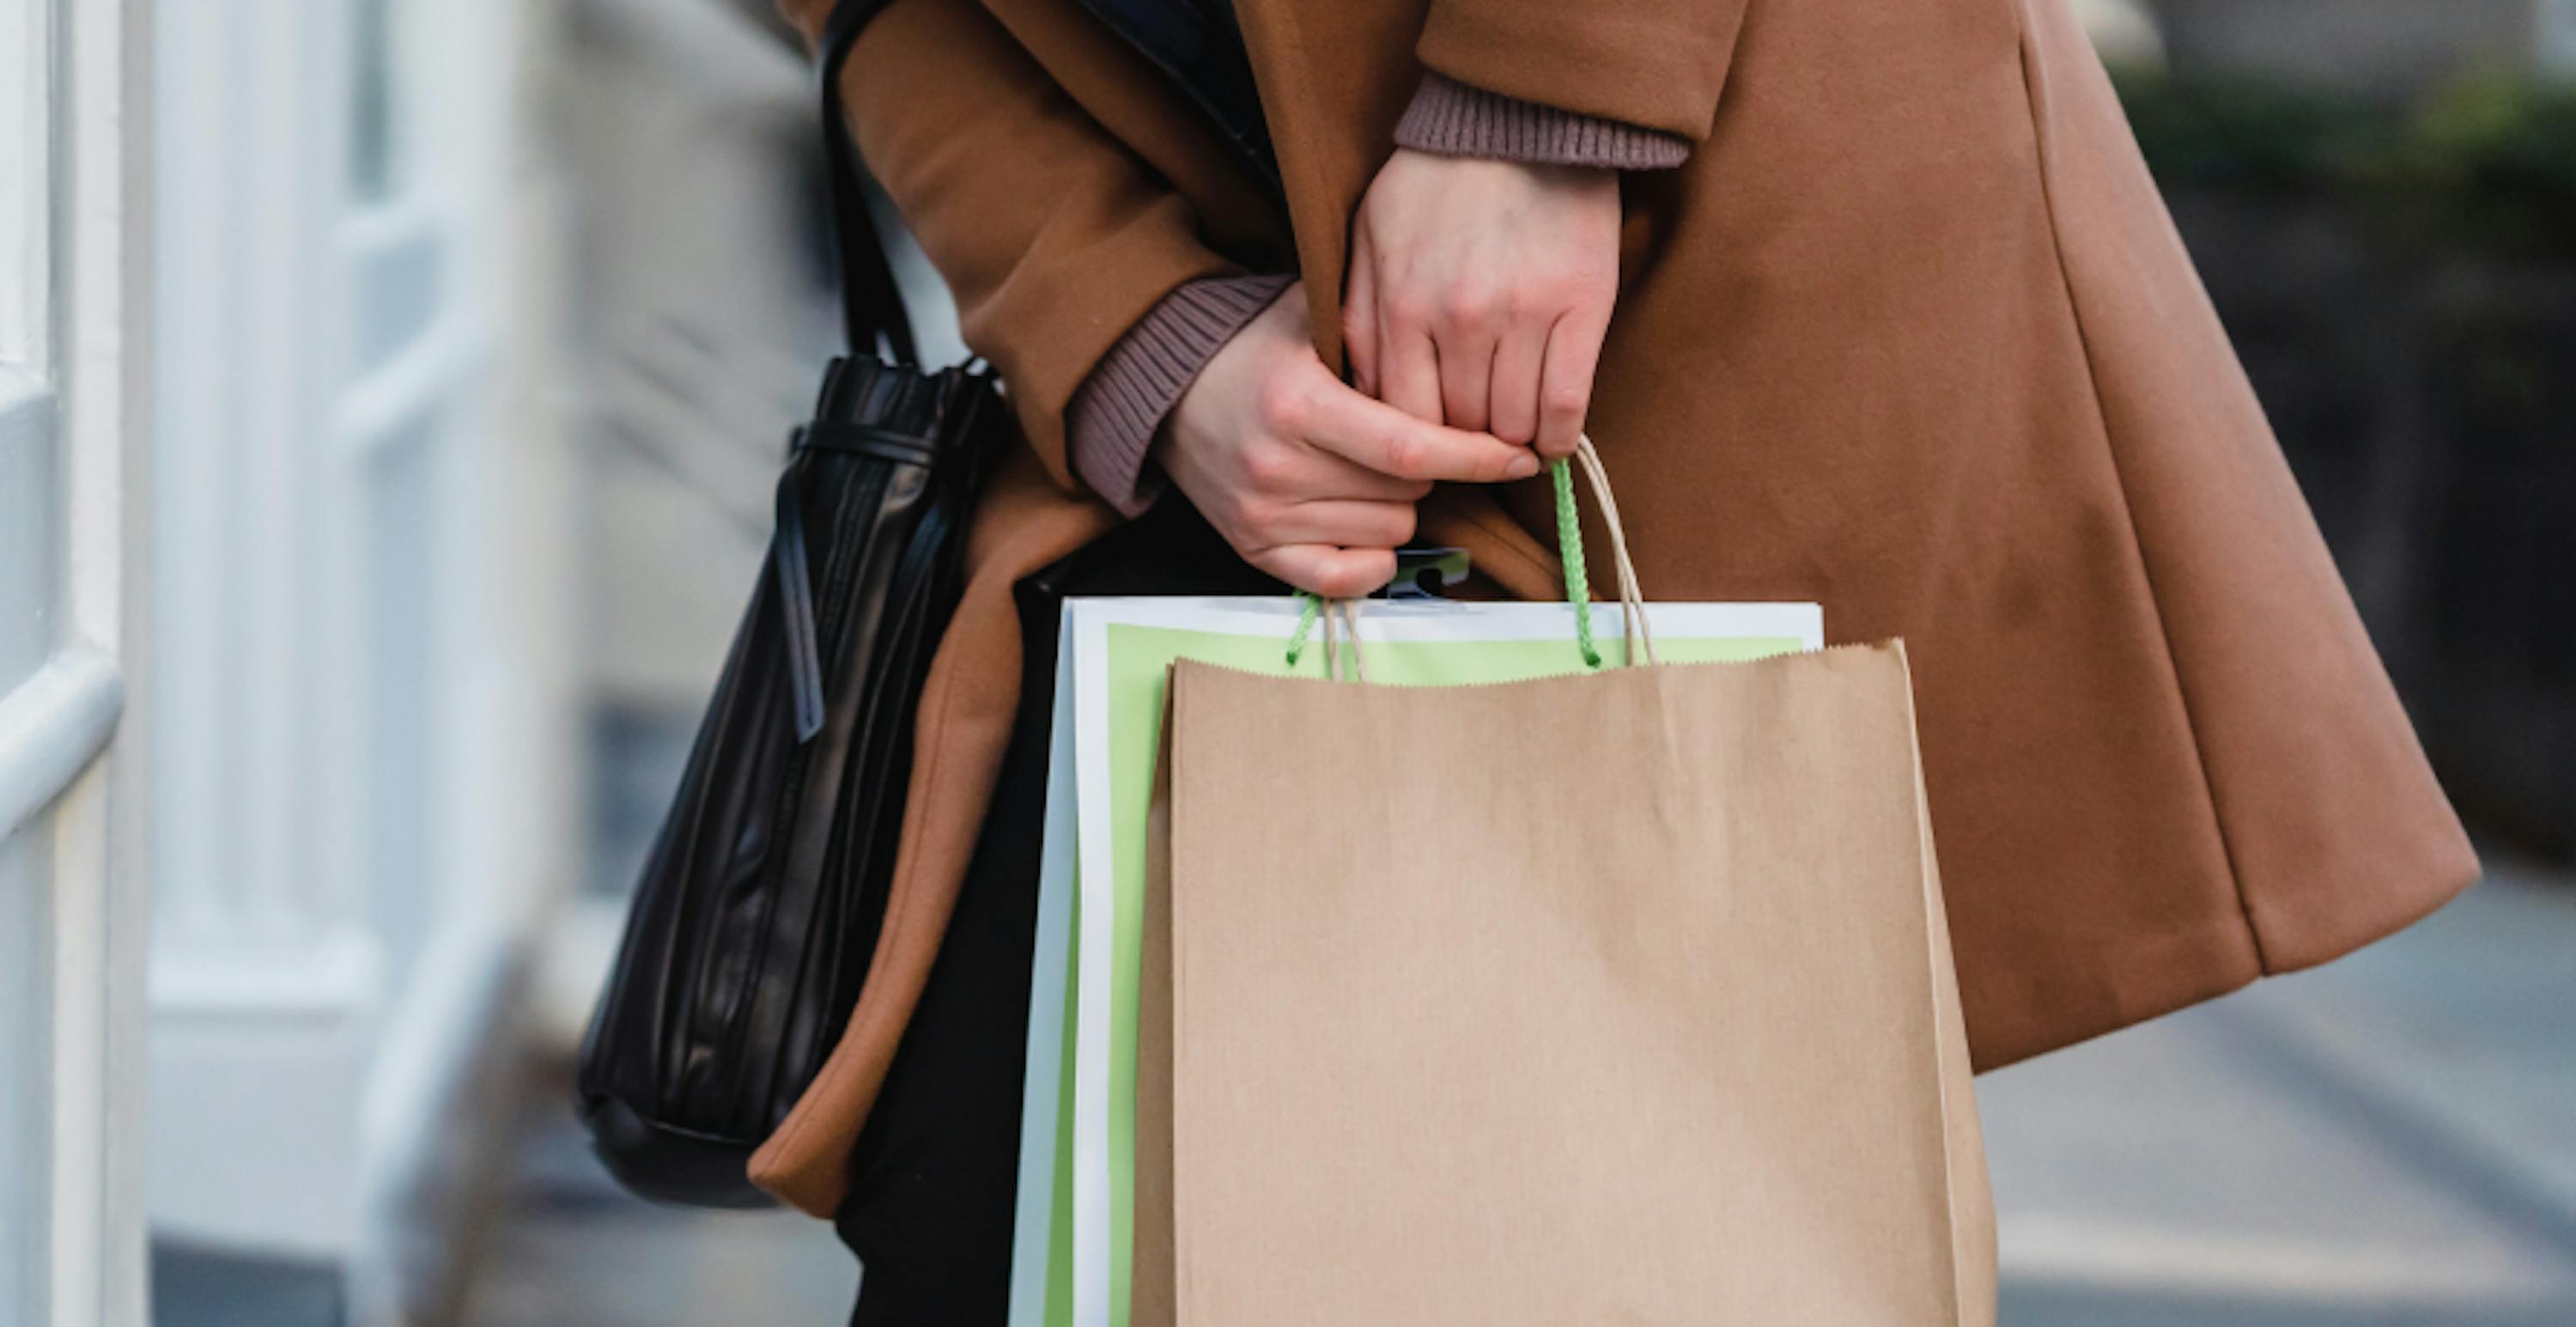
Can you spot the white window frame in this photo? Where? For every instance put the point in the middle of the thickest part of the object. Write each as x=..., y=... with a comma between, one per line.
x=71, y=240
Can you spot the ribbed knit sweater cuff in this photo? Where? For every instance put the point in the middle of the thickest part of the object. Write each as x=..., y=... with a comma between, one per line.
x=1112, y=419
x=1454, y=119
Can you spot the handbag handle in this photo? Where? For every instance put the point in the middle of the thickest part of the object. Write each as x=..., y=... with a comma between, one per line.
x=1638, y=636
x=871, y=303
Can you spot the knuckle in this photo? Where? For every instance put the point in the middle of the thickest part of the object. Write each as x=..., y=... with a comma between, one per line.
x=1407, y=455
x=1354, y=577
x=1468, y=306
x=1407, y=308
x=1260, y=517
x=1579, y=286
x=1283, y=404
x=1281, y=568
x=1265, y=467
x=1564, y=402
x=1238, y=513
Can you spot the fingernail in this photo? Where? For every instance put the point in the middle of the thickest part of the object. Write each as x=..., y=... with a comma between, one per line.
x=1522, y=466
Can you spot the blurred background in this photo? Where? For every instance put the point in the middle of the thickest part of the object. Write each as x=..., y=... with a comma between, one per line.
x=472, y=330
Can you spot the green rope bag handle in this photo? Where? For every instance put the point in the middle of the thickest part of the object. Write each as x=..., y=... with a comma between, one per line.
x=1310, y=606
x=1569, y=550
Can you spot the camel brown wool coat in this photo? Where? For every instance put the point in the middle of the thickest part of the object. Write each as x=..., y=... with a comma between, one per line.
x=1910, y=335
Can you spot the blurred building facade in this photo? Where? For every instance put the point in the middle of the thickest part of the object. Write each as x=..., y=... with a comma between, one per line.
x=2376, y=44
x=361, y=746
x=456, y=567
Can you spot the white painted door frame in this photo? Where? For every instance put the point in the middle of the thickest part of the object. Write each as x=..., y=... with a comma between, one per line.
x=72, y=457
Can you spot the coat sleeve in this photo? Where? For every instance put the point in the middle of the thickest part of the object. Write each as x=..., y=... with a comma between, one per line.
x=1053, y=237
x=1657, y=64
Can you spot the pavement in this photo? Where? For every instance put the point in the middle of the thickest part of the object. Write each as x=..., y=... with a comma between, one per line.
x=568, y=1248
x=2387, y=1140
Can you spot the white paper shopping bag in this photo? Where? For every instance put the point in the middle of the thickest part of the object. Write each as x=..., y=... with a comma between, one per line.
x=1073, y=1255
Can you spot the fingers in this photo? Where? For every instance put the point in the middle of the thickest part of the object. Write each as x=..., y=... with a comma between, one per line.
x=1323, y=475
x=1282, y=489
x=1360, y=316
x=1464, y=345
x=1335, y=573
x=1389, y=440
x=1286, y=462
x=1408, y=366
x=1240, y=445
x=1342, y=524
x=1482, y=291
x=1565, y=383
x=1519, y=365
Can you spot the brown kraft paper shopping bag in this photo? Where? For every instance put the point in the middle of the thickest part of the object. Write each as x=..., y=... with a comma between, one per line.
x=1149, y=1300
x=1611, y=998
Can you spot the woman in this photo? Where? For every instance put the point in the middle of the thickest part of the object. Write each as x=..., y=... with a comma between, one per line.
x=1873, y=305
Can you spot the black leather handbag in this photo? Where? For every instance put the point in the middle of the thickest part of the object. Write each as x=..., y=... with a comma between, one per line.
x=758, y=910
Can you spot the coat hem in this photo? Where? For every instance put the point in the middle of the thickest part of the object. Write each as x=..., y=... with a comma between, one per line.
x=2146, y=570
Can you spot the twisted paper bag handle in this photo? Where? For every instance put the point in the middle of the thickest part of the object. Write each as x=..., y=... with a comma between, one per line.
x=1578, y=590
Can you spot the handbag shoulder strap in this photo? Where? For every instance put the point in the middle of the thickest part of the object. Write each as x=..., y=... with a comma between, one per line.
x=871, y=303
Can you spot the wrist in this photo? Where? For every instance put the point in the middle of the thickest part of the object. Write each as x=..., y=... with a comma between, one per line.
x=1117, y=418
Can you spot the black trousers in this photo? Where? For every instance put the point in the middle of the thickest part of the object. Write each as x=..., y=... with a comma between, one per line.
x=931, y=1202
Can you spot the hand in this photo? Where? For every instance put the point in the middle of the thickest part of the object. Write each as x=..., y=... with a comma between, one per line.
x=1309, y=480
x=1480, y=290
